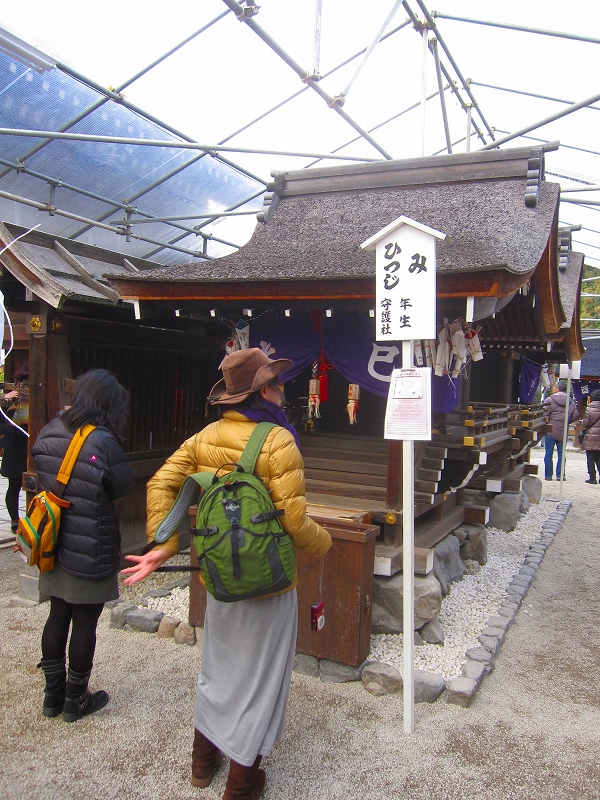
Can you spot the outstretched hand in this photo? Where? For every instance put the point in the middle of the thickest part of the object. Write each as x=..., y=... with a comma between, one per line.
x=144, y=565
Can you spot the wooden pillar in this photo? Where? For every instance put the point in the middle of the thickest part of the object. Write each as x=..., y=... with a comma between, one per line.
x=37, y=390
x=58, y=368
x=392, y=531
x=507, y=377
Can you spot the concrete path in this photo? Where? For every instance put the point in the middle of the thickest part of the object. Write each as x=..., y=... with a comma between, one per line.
x=533, y=731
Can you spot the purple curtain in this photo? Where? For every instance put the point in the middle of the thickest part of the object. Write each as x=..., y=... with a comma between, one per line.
x=348, y=342
x=285, y=337
x=583, y=389
x=529, y=380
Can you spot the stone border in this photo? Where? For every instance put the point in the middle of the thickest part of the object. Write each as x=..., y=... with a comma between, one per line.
x=480, y=660
x=461, y=690
x=127, y=616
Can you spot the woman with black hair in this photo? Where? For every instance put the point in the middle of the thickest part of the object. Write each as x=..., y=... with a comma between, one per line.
x=89, y=542
x=15, y=405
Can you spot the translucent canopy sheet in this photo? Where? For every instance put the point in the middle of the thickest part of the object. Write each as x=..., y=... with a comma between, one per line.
x=101, y=181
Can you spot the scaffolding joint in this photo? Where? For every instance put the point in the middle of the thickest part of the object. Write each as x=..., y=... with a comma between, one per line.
x=337, y=101
x=250, y=9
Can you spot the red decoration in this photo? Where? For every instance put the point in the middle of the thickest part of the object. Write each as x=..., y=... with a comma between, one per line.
x=324, y=377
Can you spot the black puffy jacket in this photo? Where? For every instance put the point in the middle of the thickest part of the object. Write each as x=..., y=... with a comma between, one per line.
x=89, y=541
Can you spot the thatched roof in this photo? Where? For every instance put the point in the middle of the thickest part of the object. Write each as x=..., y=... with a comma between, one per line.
x=494, y=215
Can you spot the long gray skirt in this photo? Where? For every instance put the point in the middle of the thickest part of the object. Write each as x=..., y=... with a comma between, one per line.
x=248, y=651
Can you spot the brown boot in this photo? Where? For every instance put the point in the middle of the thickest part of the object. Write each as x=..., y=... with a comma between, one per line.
x=245, y=783
x=205, y=757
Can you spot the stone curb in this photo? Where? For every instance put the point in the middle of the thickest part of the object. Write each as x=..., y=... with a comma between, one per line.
x=480, y=660
x=460, y=691
x=127, y=616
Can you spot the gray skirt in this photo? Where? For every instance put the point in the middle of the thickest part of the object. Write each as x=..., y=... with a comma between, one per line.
x=248, y=651
x=58, y=583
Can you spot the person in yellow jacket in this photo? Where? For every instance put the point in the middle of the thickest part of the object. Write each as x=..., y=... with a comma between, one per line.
x=248, y=647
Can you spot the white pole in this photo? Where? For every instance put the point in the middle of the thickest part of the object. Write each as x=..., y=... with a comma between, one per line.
x=408, y=561
x=565, y=435
x=317, y=39
x=469, y=114
x=424, y=92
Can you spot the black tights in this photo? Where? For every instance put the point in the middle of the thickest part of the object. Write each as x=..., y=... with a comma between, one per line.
x=84, y=618
x=12, y=497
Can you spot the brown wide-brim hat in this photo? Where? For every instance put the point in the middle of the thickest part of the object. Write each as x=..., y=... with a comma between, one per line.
x=244, y=372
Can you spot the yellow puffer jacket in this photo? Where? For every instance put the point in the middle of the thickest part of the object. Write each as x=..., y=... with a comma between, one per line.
x=279, y=465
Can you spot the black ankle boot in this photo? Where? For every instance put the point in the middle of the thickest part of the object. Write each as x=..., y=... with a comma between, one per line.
x=79, y=701
x=54, y=693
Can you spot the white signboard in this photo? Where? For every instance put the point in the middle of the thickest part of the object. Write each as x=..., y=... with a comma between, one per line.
x=408, y=410
x=405, y=280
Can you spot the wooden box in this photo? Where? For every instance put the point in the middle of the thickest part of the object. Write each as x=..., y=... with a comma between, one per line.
x=347, y=590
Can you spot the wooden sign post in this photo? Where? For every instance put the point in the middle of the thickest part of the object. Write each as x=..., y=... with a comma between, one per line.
x=405, y=311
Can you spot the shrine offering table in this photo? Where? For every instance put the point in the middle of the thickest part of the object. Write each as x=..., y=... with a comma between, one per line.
x=342, y=579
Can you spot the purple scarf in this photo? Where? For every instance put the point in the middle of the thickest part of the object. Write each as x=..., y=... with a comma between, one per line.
x=270, y=412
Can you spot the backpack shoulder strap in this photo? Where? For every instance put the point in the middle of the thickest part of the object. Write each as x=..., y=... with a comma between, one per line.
x=202, y=481
x=64, y=473
x=188, y=494
x=257, y=438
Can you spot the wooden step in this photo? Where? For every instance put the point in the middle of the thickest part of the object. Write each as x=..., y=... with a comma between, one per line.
x=328, y=461
x=373, y=493
x=350, y=478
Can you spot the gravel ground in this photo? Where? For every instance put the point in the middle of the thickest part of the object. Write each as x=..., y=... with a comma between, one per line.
x=533, y=730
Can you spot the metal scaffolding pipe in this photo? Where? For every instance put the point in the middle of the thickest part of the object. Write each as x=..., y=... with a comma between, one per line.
x=425, y=51
x=109, y=201
x=521, y=28
x=183, y=217
x=565, y=112
x=530, y=94
x=183, y=235
x=62, y=185
x=144, y=114
x=595, y=188
x=466, y=87
x=90, y=137
x=371, y=47
x=454, y=143
x=93, y=223
x=317, y=39
x=306, y=88
x=418, y=27
x=565, y=146
x=113, y=94
x=469, y=125
x=376, y=127
x=438, y=72
x=576, y=201
x=302, y=74
x=170, y=52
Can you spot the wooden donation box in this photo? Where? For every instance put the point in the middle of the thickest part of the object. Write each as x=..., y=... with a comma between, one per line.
x=345, y=576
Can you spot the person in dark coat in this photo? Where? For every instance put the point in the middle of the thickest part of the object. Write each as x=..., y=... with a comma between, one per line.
x=556, y=407
x=85, y=575
x=591, y=441
x=15, y=405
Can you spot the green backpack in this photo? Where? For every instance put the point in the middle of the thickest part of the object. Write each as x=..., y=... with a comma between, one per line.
x=243, y=551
